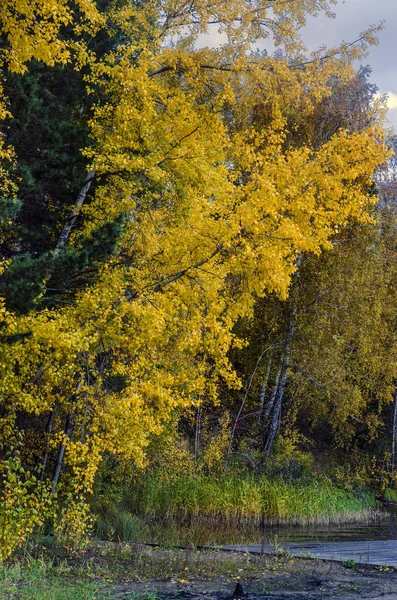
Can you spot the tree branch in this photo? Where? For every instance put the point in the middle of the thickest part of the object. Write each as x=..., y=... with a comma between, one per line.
x=160, y=284
x=70, y=221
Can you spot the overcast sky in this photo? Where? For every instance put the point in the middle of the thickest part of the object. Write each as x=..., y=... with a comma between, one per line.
x=352, y=17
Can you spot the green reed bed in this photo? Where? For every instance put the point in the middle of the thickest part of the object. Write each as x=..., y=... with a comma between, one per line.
x=245, y=498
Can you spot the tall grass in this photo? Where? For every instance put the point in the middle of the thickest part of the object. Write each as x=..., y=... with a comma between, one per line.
x=259, y=500
x=115, y=524
x=390, y=495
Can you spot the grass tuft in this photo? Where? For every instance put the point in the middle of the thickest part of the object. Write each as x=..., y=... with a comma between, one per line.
x=115, y=524
x=390, y=495
x=40, y=580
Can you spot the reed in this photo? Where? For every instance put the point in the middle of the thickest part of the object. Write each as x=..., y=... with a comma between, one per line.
x=115, y=524
x=236, y=498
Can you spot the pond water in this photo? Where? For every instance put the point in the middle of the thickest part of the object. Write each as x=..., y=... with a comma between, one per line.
x=383, y=526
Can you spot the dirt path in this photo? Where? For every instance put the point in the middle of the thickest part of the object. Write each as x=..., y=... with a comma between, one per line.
x=372, y=552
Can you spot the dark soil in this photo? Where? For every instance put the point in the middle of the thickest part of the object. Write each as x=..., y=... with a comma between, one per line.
x=174, y=574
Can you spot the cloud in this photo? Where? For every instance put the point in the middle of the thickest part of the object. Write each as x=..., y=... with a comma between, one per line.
x=391, y=100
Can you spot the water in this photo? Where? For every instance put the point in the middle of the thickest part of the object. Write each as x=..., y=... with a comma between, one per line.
x=381, y=527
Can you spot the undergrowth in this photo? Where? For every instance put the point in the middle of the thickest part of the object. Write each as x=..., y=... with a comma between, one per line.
x=40, y=580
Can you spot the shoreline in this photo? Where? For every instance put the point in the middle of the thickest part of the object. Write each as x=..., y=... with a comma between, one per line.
x=110, y=571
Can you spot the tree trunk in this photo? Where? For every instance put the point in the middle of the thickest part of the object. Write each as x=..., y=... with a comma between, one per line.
x=62, y=240
x=275, y=402
x=65, y=233
x=48, y=431
x=273, y=408
x=273, y=395
x=262, y=394
x=61, y=453
x=274, y=425
x=276, y=414
x=197, y=434
x=394, y=439
x=70, y=221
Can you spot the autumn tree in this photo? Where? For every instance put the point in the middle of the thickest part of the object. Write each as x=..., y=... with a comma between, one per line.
x=281, y=340
x=202, y=211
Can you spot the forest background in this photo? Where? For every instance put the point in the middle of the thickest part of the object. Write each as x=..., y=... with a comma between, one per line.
x=198, y=267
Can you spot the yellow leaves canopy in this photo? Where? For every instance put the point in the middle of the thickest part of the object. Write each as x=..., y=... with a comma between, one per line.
x=217, y=203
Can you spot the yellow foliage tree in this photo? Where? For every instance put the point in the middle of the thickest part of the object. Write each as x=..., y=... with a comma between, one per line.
x=216, y=211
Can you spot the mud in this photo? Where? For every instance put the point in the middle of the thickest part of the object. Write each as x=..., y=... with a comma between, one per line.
x=193, y=575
